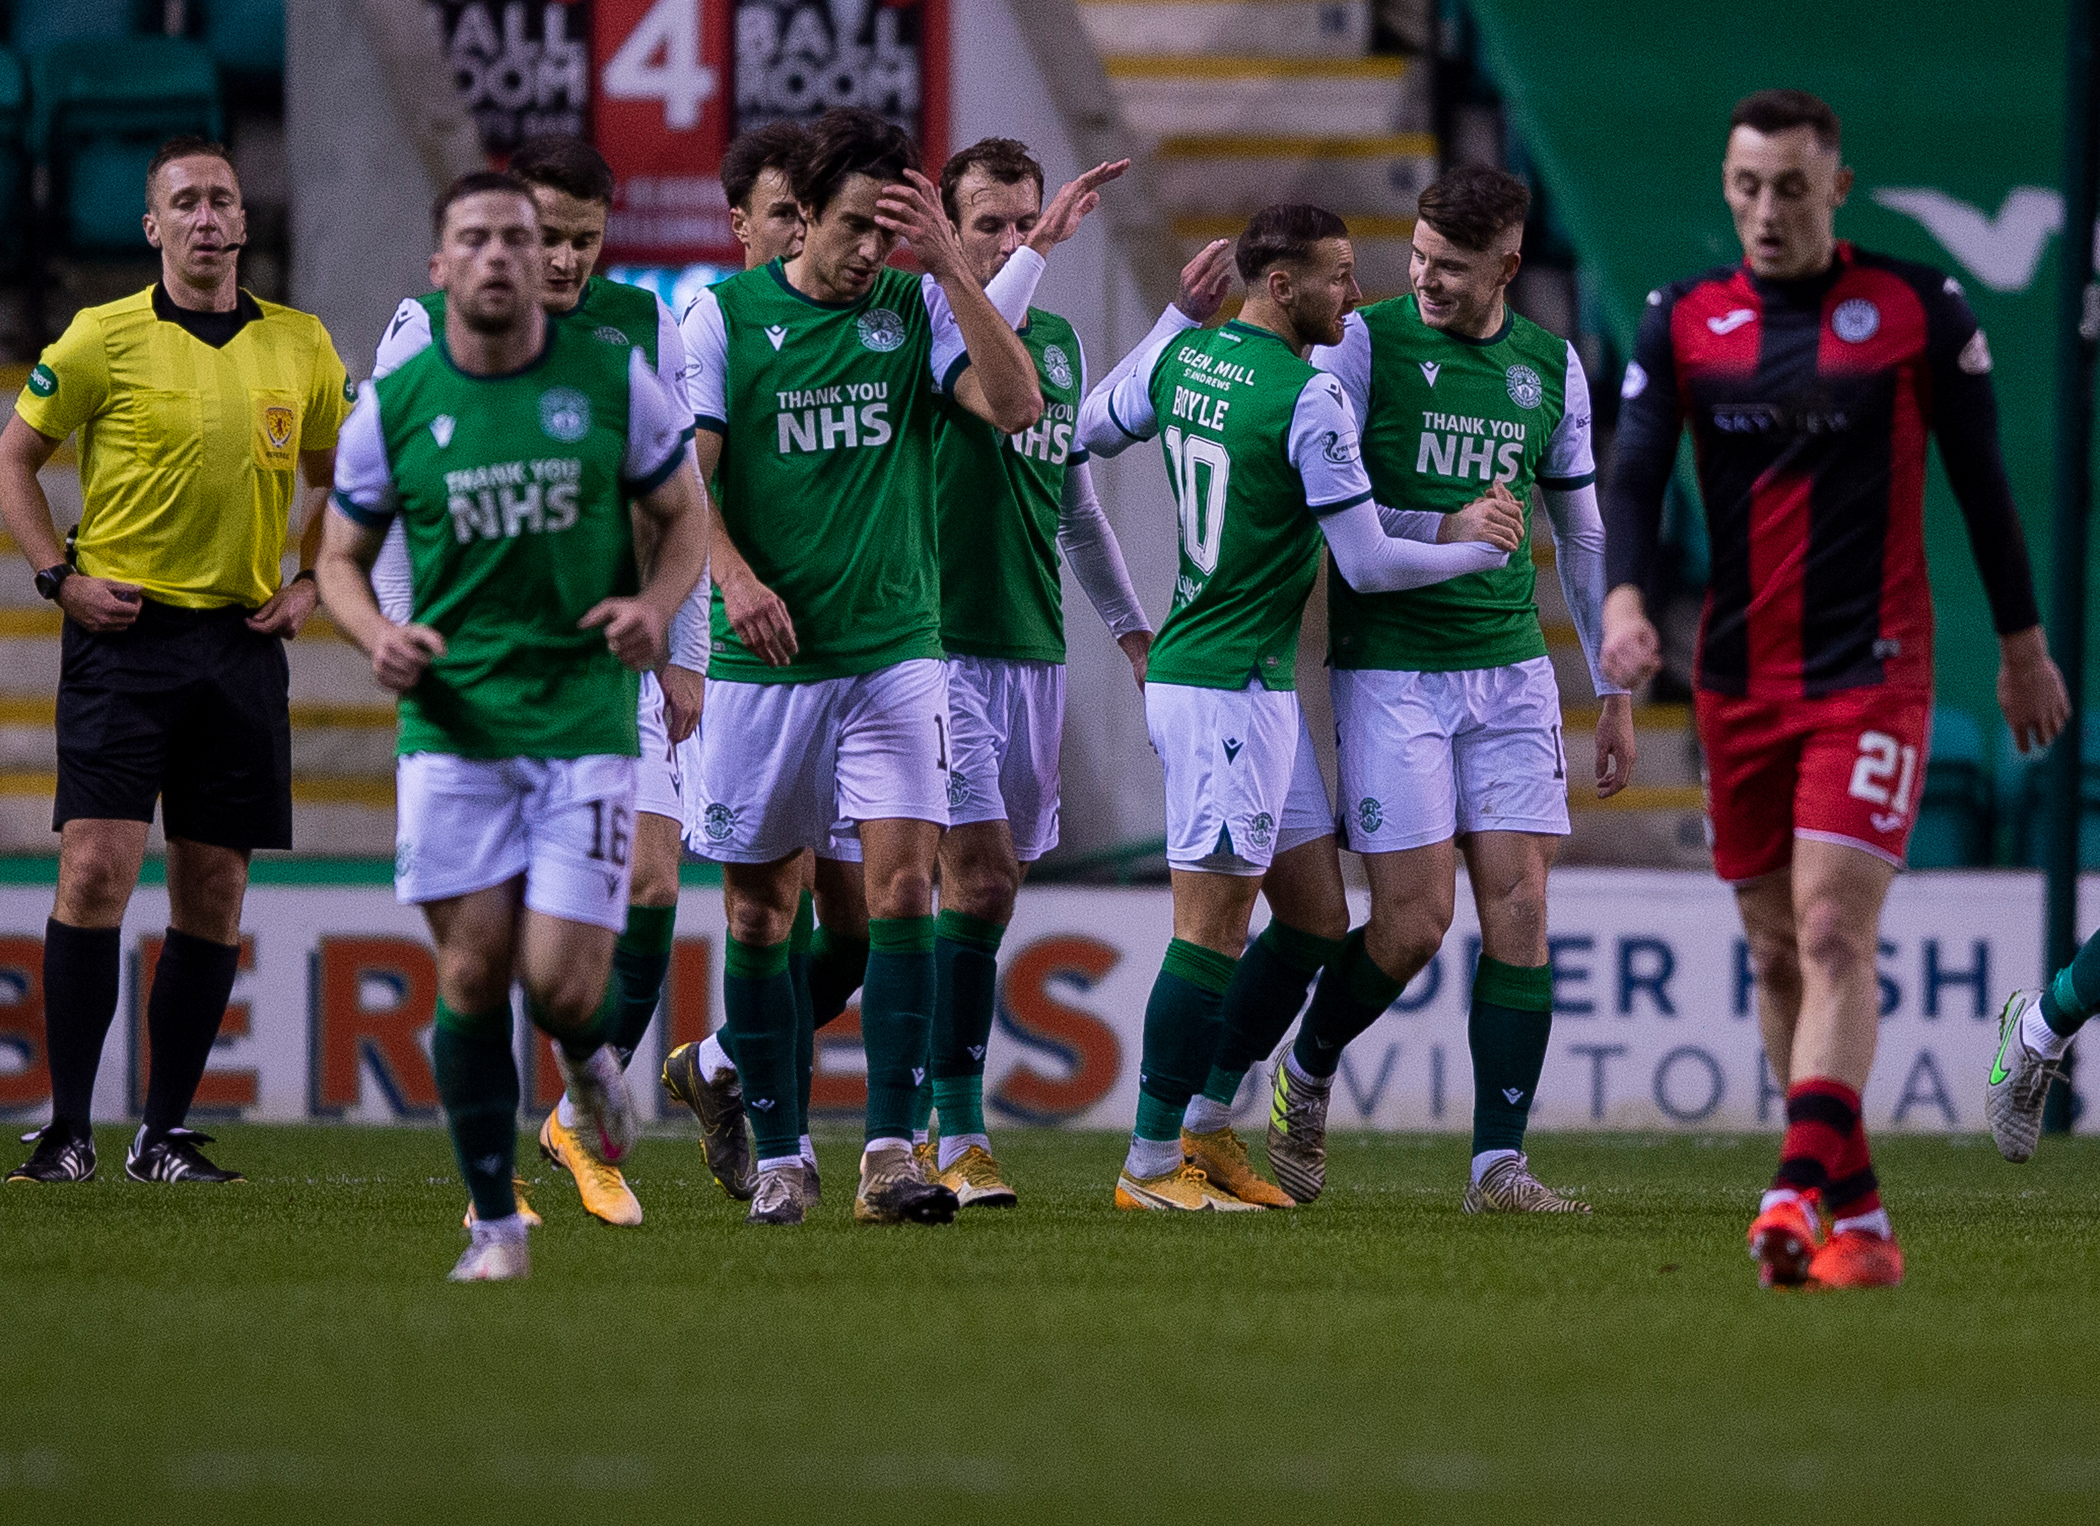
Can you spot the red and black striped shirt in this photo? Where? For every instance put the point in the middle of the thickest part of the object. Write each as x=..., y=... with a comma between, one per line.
x=1810, y=403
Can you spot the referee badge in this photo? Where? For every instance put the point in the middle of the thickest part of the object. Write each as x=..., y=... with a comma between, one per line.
x=276, y=430
x=277, y=426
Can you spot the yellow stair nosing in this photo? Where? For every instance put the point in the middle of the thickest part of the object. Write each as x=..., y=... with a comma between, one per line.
x=1406, y=145
x=1210, y=66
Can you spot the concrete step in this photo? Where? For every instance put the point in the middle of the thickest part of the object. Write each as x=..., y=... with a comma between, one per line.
x=1380, y=241
x=1275, y=28
x=1163, y=97
x=1238, y=175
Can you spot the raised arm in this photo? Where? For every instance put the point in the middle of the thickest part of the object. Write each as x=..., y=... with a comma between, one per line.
x=1103, y=431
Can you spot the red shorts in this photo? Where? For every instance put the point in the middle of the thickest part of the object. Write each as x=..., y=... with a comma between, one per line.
x=1847, y=768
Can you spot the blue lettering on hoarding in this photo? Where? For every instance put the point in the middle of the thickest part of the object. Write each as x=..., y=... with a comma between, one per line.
x=1977, y=977
x=1926, y=1085
x=1675, y=1062
x=1565, y=973
x=1367, y=1102
x=1646, y=965
x=1597, y=1054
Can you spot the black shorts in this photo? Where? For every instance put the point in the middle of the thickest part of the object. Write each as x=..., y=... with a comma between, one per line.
x=188, y=706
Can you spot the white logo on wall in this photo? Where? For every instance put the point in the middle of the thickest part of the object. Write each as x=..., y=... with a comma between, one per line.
x=1856, y=321
x=880, y=330
x=565, y=414
x=2002, y=251
x=1058, y=365
x=1525, y=388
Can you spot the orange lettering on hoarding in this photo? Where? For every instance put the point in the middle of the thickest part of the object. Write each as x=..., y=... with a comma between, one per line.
x=28, y=1082
x=844, y=1091
x=373, y=999
x=1091, y=1054
x=220, y=1091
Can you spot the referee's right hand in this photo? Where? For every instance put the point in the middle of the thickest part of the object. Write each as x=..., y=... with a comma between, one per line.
x=400, y=653
x=99, y=604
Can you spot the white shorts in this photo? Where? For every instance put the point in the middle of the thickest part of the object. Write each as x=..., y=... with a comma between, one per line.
x=1006, y=719
x=566, y=824
x=1243, y=785
x=1430, y=756
x=656, y=774
x=785, y=767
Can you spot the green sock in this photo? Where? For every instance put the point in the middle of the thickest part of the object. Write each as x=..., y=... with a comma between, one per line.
x=799, y=937
x=2074, y=995
x=1511, y=1019
x=1266, y=992
x=1352, y=995
x=838, y=966
x=966, y=966
x=758, y=1007
x=922, y=1109
x=477, y=1081
x=1182, y=1022
x=641, y=959
x=896, y=1020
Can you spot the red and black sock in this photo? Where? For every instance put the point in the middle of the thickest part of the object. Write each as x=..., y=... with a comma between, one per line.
x=1853, y=1192
x=1822, y=1116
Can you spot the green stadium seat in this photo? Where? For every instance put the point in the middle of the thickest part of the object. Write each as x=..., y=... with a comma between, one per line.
x=40, y=24
x=1953, y=829
x=2023, y=792
x=245, y=36
x=14, y=130
x=98, y=110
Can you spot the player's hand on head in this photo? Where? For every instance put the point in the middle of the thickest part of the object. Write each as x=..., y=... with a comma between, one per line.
x=1632, y=651
x=912, y=208
x=401, y=654
x=636, y=632
x=288, y=609
x=761, y=621
x=1205, y=280
x=1495, y=518
x=2031, y=690
x=1618, y=750
x=684, y=695
x=1070, y=206
x=99, y=604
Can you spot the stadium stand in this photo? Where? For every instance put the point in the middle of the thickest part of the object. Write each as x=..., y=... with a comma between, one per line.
x=1954, y=812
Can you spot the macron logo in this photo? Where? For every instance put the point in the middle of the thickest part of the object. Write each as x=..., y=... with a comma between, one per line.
x=1232, y=747
x=1730, y=321
x=1430, y=369
x=1514, y=1094
x=777, y=332
x=441, y=429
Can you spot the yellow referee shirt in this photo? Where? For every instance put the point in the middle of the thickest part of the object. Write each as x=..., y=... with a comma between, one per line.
x=189, y=453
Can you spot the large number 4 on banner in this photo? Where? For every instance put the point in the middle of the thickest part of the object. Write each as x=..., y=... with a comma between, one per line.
x=660, y=61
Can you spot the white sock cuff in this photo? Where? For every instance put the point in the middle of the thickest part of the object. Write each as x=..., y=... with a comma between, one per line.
x=955, y=1146
x=714, y=1059
x=780, y=1162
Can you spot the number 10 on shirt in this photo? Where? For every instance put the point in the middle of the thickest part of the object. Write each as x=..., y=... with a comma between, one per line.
x=1201, y=468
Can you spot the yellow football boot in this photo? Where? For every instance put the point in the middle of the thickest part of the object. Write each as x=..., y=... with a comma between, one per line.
x=603, y=1189
x=518, y=1184
x=1222, y=1157
x=1185, y=1188
x=927, y=1157
x=976, y=1181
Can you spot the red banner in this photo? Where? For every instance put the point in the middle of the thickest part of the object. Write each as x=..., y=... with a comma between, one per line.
x=676, y=80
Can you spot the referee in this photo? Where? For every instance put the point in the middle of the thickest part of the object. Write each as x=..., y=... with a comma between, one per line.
x=197, y=407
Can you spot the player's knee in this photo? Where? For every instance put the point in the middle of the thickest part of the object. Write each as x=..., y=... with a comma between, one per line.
x=1775, y=963
x=1833, y=939
x=1406, y=938
x=94, y=886
x=983, y=891
x=906, y=892
x=473, y=979
x=565, y=1000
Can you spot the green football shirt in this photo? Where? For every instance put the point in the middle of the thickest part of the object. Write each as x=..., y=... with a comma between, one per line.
x=1442, y=417
x=1258, y=444
x=513, y=492
x=999, y=499
x=615, y=313
x=826, y=413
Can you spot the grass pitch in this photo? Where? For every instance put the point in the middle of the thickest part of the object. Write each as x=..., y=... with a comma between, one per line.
x=289, y=1350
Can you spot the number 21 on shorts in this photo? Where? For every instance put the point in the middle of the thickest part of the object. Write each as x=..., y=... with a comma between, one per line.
x=1882, y=759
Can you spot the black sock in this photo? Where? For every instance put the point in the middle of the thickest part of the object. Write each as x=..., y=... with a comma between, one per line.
x=190, y=990
x=80, y=999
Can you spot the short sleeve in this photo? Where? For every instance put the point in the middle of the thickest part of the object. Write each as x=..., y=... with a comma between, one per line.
x=1569, y=462
x=951, y=357
x=657, y=429
x=1325, y=448
x=705, y=338
x=70, y=383
x=1350, y=363
x=670, y=354
x=364, y=481
x=407, y=336
x=330, y=394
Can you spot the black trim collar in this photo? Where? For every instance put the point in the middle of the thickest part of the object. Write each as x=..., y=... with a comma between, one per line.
x=214, y=329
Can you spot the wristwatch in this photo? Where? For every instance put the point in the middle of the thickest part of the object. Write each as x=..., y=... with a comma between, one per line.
x=49, y=580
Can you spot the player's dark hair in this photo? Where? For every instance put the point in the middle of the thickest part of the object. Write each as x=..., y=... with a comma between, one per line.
x=472, y=183
x=1005, y=160
x=1771, y=111
x=848, y=141
x=1474, y=205
x=1281, y=234
x=771, y=147
x=566, y=164
x=187, y=146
